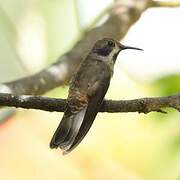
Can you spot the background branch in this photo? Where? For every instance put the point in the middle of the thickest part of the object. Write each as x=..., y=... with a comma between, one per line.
x=121, y=17
x=143, y=105
x=165, y=4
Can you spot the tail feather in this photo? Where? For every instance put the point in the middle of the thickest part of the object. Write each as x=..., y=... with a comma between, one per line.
x=75, y=126
x=67, y=130
x=89, y=118
x=61, y=132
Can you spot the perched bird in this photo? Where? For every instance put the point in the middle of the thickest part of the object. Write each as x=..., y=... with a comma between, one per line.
x=86, y=93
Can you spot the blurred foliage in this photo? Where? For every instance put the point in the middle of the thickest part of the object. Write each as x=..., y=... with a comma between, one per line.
x=62, y=28
x=11, y=65
x=59, y=24
x=167, y=85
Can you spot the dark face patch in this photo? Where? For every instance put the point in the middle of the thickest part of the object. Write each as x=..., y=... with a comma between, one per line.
x=105, y=51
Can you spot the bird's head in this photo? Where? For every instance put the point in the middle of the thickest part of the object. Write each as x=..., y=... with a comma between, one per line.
x=107, y=49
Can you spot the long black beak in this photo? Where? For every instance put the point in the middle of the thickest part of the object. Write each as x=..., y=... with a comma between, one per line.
x=123, y=47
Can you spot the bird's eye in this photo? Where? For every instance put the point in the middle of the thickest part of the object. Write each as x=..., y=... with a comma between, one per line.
x=111, y=44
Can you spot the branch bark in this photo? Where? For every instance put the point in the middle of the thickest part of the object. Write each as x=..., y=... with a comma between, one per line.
x=143, y=105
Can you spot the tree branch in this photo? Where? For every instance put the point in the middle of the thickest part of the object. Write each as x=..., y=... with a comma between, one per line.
x=170, y=4
x=120, y=19
x=143, y=105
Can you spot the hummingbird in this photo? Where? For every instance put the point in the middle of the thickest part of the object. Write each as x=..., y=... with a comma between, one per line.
x=87, y=89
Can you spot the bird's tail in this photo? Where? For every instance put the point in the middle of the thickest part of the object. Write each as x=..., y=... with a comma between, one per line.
x=73, y=128
x=67, y=130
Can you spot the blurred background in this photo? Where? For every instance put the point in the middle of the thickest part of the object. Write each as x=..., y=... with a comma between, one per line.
x=126, y=146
